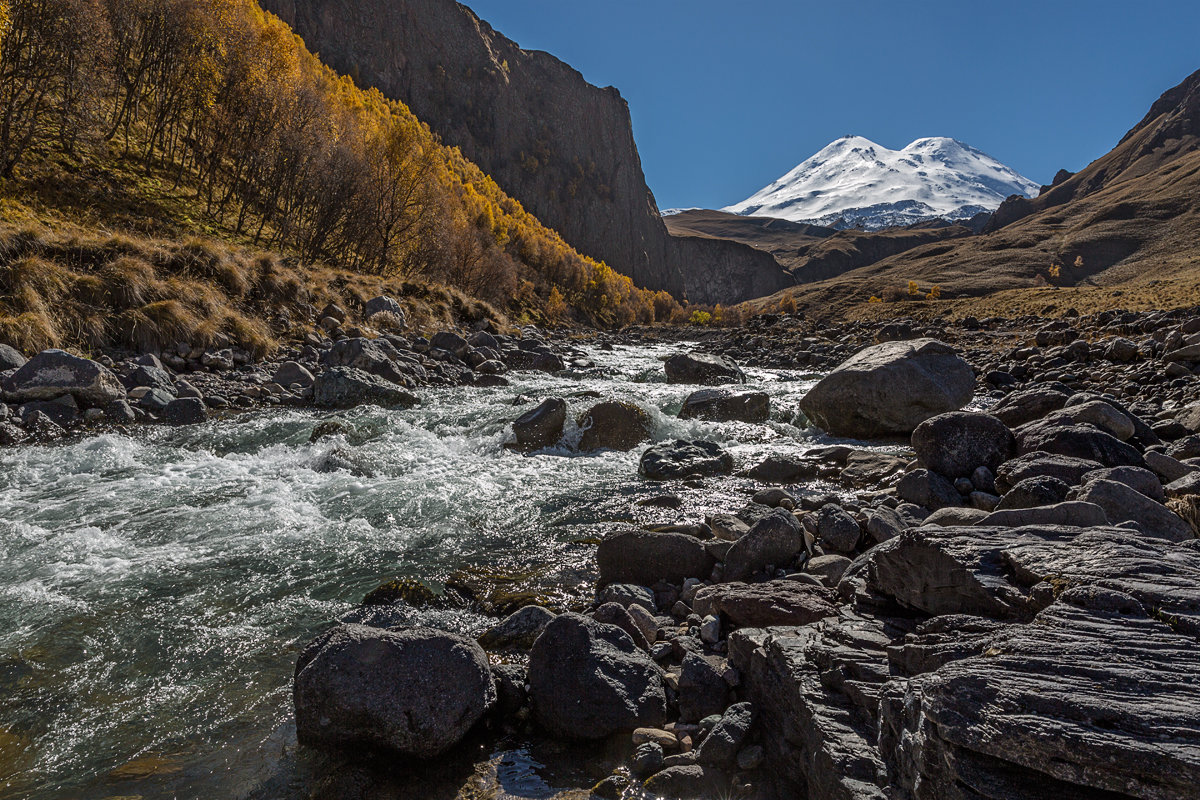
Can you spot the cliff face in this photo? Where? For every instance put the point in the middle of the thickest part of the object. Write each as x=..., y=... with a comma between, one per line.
x=561, y=146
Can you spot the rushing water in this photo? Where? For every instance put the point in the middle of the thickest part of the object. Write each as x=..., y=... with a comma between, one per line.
x=155, y=588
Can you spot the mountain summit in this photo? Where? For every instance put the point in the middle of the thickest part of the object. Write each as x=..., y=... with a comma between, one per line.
x=855, y=182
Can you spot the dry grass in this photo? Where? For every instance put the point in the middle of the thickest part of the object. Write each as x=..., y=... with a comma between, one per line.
x=87, y=290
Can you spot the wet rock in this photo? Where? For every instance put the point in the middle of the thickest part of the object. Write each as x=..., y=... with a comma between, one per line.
x=588, y=680
x=1122, y=503
x=519, y=630
x=119, y=412
x=681, y=459
x=542, y=426
x=761, y=605
x=784, y=469
x=644, y=558
x=775, y=540
x=687, y=782
x=836, y=530
x=614, y=425
x=185, y=411
x=647, y=759
x=536, y=361
x=889, y=389
x=722, y=405
x=702, y=368
x=345, y=387
x=53, y=373
x=416, y=692
x=955, y=444
x=511, y=696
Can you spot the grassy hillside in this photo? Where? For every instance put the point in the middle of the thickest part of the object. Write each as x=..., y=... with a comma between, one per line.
x=184, y=170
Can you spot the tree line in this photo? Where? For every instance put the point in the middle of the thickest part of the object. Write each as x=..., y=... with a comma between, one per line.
x=282, y=150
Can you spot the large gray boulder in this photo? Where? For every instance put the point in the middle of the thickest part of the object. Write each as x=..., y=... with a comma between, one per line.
x=702, y=368
x=889, y=389
x=682, y=459
x=588, y=680
x=645, y=558
x=1123, y=503
x=1077, y=441
x=957, y=443
x=416, y=691
x=54, y=373
x=345, y=387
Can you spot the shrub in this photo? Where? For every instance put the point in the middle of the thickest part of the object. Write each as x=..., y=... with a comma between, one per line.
x=700, y=318
x=914, y=290
x=935, y=293
x=875, y=299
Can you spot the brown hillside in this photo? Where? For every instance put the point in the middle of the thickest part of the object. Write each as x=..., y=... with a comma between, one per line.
x=1130, y=218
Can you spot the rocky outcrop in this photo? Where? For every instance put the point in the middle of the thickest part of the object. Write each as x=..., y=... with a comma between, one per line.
x=559, y=145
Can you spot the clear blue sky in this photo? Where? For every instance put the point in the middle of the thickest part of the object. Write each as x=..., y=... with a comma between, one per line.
x=727, y=96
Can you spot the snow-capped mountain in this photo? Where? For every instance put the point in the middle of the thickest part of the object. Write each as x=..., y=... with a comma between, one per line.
x=855, y=182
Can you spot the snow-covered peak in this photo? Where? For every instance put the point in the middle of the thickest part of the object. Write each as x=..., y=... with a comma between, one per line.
x=854, y=181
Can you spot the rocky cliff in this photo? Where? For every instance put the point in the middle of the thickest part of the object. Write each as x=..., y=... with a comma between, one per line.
x=561, y=146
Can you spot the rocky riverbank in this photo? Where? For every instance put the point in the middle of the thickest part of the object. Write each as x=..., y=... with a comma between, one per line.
x=990, y=602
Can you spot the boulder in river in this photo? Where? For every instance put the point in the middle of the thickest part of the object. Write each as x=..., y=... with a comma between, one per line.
x=722, y=405
x=54, y=373
x=614, y=425
x=415, y=691
x=345, y=387
x=702, y=368
x=588, y=680
x=541, y=426
x=889, y=389
x=682, y=459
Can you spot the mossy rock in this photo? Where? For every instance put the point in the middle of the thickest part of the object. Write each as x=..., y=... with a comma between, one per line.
x=413, y=592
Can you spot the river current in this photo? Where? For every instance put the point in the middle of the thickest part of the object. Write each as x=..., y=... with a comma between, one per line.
x=155, y=587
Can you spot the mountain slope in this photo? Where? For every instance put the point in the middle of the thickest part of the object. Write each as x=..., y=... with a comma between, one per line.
x=1124, y=225
x=561, y=146
x=856, y=182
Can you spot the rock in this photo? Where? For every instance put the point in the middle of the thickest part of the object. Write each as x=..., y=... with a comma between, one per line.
x=774, y=498
x=154, y=377
x=588, y=680
x=884, y=523
x=710, y=630
x=53, y=373
x=383, y=304
x=10, y=434
x=614, y=425
x=154, y=400
x=1122, y=503
x=687, y=782
x=450, y=342
x=10, y=358
x=1095, y=412
x=185, y=411
x=784, y=469
x=616, y=614
x=1121, y=351
x=627, y=594
x=776, y=539
x=955, y=444
x=1039, y=490
x=290, y=372
x=511, y=696
x=722, y=744
x=542, y=426
x=1067, y=469
x=1187, y=485
x=750, y=758
x=928, y=489
x=529, y=360
x=416, y=692
x=1028, y=405
x=867, y=468
x=889, y=389
x=761, y=605
x=519, y=630
x=664, y=739
x=682, y=459
x=644, y=558
x=702, y=690
x=61, y=411
x=1079, y=514
x=1077, y=441
x=948, y=517
x=1167, y=468
x=702, y=368
x=836, y=529
x=119, y=412
x=1141, y=480
x=829, y=569
x=345, y=387
x=722, y=405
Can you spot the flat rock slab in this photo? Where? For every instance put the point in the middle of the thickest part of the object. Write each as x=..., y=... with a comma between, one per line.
x=761, y=605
